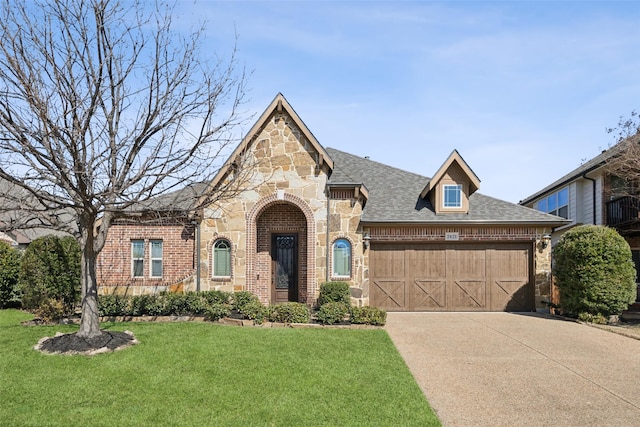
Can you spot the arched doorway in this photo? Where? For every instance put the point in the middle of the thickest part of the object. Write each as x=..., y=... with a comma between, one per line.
x=283, y=253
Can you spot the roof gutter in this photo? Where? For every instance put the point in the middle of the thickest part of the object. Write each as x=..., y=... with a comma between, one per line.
x=466, y=223
x=560, y=184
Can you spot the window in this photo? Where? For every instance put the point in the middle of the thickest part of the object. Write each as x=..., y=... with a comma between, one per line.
x=222, y=259
x=452, y=195
x=137, y=258
x=156, y=258
x=556, y=203
x=342, y=258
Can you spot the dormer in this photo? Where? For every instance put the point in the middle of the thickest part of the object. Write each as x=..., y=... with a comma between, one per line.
x=451, y=186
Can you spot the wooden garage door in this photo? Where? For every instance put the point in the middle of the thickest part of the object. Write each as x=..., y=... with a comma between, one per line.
x=452, y=277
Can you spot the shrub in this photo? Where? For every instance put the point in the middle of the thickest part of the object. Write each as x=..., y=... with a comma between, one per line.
x=216, y=311
x=368, y=316
x=332, y=312
x=113, y=305
x=195, y=304
x=175, y=304
x=289, y=312
x=50, y=269
x=51, y=310
x=334, y=292
x=9, y=272
x=217, y=297
x=254, y=310
x=593, y=318
x=240, y=299
x=594, y=271
x=145, y=305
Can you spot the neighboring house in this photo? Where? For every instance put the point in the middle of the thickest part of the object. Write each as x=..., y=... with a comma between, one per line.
x=589, y=194
x=17, y=226
x=312, y=214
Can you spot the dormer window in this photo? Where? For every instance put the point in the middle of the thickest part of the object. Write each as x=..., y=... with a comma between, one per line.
x=452, y=185
x=452, y=195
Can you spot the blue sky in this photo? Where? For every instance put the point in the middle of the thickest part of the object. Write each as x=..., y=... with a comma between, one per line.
x=523, y=90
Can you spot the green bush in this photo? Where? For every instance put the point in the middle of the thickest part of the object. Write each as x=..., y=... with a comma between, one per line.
x=217, y=297
x=50, y=269
x=145, y=305
x=254, y=310
x=368, y=316
x=9, y=272
x=334, y=292
x=332, y=312
x=598, y=319
x=242, y=298
x=594, y=271
x=51, y=310
x=195, y=304
x=289, y=312
x=216, y=311
x=113, y=305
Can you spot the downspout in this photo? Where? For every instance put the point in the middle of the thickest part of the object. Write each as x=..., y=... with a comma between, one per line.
x=584, y=175
x=327, y=243
x=197, y=224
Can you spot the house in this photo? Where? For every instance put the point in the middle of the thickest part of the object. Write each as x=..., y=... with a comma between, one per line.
x=18, y=225
x=592, y=194
x=310, y=214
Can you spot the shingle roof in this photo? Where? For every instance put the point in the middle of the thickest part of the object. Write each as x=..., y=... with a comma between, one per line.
x=182, y=200
x=589, y=166
x=394, y=196
x=586, y=167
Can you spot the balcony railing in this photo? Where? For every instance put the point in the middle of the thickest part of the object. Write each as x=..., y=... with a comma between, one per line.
x=625, y=210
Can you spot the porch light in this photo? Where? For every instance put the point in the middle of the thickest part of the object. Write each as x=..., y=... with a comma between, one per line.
x=544, y=242
x=366, y=239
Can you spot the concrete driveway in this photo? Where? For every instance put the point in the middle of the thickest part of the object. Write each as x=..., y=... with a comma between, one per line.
x=507, y=369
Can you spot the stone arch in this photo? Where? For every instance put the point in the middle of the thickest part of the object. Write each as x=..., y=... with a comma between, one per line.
x=252, y=242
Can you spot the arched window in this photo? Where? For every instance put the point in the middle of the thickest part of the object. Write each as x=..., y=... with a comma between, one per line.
x=222, y=258
x=342, y=258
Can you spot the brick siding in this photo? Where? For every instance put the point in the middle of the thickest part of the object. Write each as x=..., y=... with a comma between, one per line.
x=114, y=261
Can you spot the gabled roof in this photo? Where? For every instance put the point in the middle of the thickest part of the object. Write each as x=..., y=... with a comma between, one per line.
x=454, y=157
x=279, y=104
x=394, y=197
x=582, y=170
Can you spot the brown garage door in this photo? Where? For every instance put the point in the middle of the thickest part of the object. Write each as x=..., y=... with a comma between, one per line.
x=452, y=277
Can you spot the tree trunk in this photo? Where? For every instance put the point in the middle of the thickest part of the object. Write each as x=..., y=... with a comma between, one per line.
x=90, y=320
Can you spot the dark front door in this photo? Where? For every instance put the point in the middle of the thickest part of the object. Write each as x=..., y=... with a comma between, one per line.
x=284, y=251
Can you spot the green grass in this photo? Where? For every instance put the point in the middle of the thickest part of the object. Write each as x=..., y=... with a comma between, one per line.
x=187, y=374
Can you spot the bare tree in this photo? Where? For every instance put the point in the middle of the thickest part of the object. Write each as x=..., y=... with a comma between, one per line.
x=104, y=107
x=624, y=161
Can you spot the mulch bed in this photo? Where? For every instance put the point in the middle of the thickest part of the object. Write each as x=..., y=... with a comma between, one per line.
x=73, y=344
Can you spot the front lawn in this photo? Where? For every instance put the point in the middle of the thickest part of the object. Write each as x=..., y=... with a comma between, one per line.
x=209, y=375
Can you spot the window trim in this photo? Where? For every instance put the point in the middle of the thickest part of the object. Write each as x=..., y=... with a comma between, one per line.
x=335, y=274
x=543, y=204
x=445, y=190
x=152, y=258
x=213, y=256
x=134, y=259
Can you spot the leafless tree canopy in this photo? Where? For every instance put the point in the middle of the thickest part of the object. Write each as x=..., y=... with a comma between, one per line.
x=625, y=160
x=103, y=108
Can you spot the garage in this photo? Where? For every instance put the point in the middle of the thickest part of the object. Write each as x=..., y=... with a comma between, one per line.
x=452, y=276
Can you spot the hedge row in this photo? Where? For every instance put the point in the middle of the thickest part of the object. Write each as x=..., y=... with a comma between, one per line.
x=214, y=305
